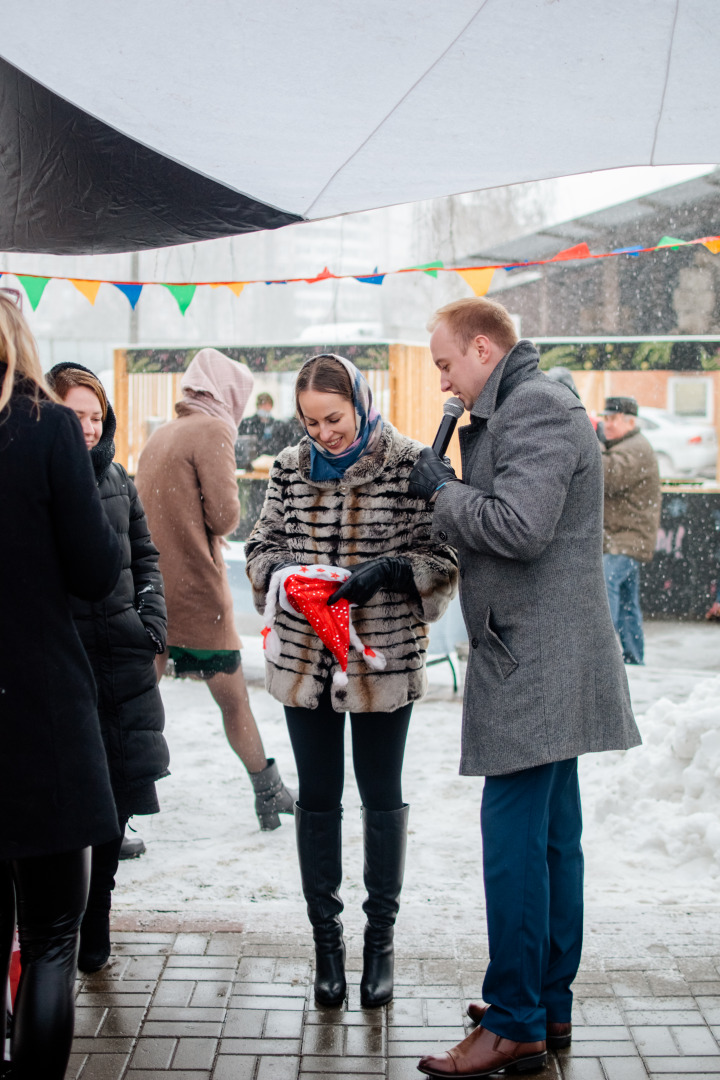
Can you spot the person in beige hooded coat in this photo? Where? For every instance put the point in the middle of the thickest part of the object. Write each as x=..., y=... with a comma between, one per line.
x=186, y=477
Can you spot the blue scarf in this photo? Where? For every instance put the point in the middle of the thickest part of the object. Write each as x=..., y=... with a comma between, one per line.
x=368, y=425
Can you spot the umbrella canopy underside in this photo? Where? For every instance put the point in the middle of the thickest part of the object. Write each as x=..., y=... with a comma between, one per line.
x=131, y=125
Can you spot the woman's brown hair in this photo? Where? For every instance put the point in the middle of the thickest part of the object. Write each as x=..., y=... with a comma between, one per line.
x=325, y=374
x=64, y=380
x=19, y=353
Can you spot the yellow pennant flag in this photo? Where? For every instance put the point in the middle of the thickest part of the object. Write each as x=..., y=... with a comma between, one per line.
x=713, y=244
x=234, y=286
x=478, y=280
x=89, y=289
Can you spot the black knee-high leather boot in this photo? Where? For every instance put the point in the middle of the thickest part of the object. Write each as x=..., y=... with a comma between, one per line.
x=385, y=840
x=319, y=844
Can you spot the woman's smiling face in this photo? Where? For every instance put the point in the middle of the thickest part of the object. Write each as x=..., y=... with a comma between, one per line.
x=329, y=418
x=86, y=406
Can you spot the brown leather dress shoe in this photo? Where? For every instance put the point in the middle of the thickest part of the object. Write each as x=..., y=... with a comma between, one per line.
x=483, y=1053
x=558, y=1035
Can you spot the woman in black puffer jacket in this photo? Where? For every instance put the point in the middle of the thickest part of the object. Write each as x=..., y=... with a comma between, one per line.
x=121, y=635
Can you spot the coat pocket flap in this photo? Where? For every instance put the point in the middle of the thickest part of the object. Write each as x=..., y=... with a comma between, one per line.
x=504, y=657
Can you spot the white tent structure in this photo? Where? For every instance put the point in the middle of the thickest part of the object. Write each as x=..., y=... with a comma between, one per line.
x=133, y=124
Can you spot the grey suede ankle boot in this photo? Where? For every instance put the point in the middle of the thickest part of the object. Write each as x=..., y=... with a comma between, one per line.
x=271, y=796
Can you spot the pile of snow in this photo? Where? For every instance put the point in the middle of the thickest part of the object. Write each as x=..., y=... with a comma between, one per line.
x=652, y=814
x=663, y=799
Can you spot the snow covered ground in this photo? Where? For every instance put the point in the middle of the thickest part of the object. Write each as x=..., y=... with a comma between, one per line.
x=652, y=815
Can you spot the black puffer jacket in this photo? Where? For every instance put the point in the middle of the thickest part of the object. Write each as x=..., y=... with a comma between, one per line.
x=121, y=635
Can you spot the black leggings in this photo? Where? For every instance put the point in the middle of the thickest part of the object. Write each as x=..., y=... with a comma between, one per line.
x=378, y=742
x=49, y=892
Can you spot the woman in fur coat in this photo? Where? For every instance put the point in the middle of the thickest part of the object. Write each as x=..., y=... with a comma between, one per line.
x=121, y=635
x=340, y=498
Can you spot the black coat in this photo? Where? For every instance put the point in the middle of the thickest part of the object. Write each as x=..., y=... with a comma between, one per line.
x=121, y=635
x=55, y=790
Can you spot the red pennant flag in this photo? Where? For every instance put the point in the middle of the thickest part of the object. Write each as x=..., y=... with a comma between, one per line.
x=322, y=276
x=580, y=251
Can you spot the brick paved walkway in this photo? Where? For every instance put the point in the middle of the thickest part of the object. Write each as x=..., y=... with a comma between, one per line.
x=238, y=1005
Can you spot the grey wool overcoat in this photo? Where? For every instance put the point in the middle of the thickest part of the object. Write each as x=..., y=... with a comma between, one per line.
x=545, y=678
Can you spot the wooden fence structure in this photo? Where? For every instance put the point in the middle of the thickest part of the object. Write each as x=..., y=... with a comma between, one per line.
x=407, y=389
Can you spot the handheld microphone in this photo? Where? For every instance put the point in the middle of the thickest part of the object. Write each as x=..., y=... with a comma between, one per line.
x=452, y=411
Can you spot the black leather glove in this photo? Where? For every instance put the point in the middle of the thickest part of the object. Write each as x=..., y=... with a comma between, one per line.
x=429, y=474
x=282, y=565
x=276, y=566
x=393, y=575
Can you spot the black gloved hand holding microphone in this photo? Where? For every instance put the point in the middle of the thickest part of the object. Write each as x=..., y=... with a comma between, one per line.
x=431, y=472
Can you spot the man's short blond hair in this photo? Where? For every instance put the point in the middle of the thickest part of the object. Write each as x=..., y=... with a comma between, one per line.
x=475, y=315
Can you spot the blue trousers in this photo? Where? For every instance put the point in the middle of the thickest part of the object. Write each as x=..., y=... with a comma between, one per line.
x=622, y=577
x=533, y=869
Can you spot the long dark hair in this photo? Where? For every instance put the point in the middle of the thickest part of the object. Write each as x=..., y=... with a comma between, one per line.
x=325, y=374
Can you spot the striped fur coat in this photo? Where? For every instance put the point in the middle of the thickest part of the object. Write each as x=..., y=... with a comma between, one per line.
x=366, y=514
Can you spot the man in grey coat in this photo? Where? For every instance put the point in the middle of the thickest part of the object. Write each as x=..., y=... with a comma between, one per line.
x=545, y=680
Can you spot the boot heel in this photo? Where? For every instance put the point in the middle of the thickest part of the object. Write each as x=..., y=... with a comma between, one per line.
x=268, y=822
x=530, y=1064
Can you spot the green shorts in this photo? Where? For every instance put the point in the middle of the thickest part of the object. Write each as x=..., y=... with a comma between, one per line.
x=203, y=663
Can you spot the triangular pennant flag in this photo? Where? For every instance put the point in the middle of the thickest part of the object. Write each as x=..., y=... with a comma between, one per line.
x=89, y=289
x=132, y=292
x=372, y=279
x=634, y=251
x=430, y=268
x=234, y=286
x=670, y=241
x=322, y=276
x=579, y=251
x=281, y=282
x=712, y=243
x=478, y=280
x=34, y=287
x=182, y=293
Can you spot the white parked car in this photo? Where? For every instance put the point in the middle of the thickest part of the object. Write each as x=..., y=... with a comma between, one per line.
x=683, y=445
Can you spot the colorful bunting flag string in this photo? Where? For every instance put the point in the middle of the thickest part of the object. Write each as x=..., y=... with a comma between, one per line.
x=479, y=278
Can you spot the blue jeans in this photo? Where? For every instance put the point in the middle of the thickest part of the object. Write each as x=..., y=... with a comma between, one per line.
x=533, y=870
x=622, y=577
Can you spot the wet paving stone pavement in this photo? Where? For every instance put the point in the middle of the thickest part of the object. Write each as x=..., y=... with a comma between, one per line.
x=196, y=1005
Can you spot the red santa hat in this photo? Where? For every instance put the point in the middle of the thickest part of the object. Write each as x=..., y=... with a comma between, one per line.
x=306, y=589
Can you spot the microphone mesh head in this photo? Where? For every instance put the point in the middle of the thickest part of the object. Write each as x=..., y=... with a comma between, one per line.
x=453, y=407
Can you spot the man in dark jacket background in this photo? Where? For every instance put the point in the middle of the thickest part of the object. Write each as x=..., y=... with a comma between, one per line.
x=545, y=678
x=631, y=519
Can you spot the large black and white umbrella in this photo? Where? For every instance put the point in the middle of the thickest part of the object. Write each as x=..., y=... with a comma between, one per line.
x=137, y=124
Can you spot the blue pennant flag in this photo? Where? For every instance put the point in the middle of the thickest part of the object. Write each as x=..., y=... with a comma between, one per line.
x=372, y=279
x=131, y=291
x=634, y=251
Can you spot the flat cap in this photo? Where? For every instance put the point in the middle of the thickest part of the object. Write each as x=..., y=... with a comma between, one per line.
x=627, y=405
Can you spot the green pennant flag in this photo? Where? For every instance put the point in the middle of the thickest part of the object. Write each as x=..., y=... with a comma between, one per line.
x=670, y=241
x=34, y=287
x=429, y=268
x=183, y=294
